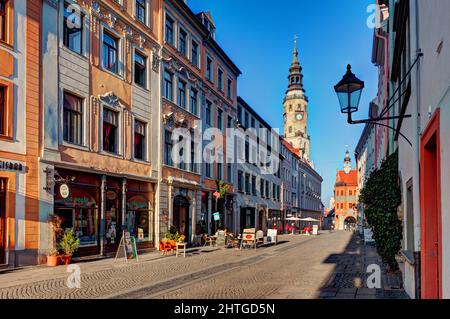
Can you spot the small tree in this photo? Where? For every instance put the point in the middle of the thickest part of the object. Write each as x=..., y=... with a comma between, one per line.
x=381, y=197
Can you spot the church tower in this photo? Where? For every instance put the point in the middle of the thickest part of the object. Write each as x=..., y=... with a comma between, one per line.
x=347, y=162
x=296, y=109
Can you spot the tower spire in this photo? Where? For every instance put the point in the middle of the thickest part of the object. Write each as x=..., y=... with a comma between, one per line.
x=295, y=60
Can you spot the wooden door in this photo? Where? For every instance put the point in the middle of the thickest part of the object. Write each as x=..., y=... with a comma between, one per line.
x=431, y=237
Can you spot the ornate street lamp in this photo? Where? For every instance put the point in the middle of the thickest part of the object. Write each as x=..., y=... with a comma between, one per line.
x=349, y=91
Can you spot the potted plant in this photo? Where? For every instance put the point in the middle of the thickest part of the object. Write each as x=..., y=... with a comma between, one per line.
x=181, y=239
x=53, y=257
x=69, y=244
x=54, y=223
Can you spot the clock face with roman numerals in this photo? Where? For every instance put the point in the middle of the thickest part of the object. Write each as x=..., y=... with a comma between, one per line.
x=299, y=116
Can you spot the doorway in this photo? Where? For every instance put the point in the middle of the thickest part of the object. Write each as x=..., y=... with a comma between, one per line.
x=431, y=237
x=3, y=183
x=261, y=220
x=181, y=215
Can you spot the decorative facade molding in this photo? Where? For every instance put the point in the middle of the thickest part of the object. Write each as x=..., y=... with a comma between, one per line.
x=52, y=3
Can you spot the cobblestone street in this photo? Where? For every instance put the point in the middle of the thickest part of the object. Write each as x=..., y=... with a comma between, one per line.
x=328, y=266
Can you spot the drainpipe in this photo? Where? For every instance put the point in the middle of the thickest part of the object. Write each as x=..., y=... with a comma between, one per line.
x=385, y=40
x=415, y=80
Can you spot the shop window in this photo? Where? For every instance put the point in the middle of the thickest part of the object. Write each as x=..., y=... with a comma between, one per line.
x=169, y=30
x=72, y=119
x=139, y=140
x=110, y=130
x=181, y=94
x=141, y=11
x=194, y=102
x=110, y=53
x=3, y=110
x=73, y=28
x=168, y=85
x=140, y=69
x=3, y=19
x=137, y=218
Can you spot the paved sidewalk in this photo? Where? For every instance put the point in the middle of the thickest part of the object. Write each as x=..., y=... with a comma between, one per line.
x=349, y=279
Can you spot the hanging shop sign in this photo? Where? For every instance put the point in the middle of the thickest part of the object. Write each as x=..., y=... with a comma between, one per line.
x=64, y=191
x=216, y=217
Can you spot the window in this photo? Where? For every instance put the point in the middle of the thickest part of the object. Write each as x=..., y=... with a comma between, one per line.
x=229, y=173
x=219, y=119
x=240, y=181
x=141, y=12
x=350, y=193
x=261, y=188
x=230, y=88
x=247, y=183
x=239, y=114
x=267, y=189
x=110, y=53
x=208, y=170
x=181, y=94
x=194, y=102
x=182, y=42
x=208, y=113
x=246, y=120
x=72, y=29
x=169, y=30
x=168, y=148
x=220, y=79
x=193, y=147
x=139, y=140
x=274, y=192
x=209, y=69
x=168, y=85
x=182, y=163
x=247, y=151
x=219, y=171
x=110, y=130
x=254, y=185
x=194, y=53
x=72, y=119
x=230, y=123
x=252, y=123
x=140, y=69
x=2, y=110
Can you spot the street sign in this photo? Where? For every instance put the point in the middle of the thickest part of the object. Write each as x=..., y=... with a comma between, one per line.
x=216, y=217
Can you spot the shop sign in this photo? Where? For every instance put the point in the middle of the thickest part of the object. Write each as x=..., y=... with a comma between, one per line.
x=64, y=191
x=128, y=245
x=11, y=166
x=111, y=195
x=216, y=217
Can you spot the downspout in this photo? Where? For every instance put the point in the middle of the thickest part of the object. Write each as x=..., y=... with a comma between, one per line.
x=415, y=49
x=385, y=40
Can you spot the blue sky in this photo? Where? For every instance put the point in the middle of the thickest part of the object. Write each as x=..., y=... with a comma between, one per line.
x=258, y=35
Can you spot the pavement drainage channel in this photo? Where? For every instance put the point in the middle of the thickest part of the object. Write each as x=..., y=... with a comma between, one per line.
x=176, y=283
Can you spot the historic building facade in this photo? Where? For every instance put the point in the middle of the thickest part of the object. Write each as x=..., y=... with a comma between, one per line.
x=20, y=107
x=346, y=195
x=258, y=176
x=101, y=98
x=199, y=85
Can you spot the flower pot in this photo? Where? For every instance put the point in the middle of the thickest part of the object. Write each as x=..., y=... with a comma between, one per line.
x=52, y=261
x=66, y=259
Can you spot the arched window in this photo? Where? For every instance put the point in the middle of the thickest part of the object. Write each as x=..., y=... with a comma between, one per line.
x=290, y=108
x=290, y=129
